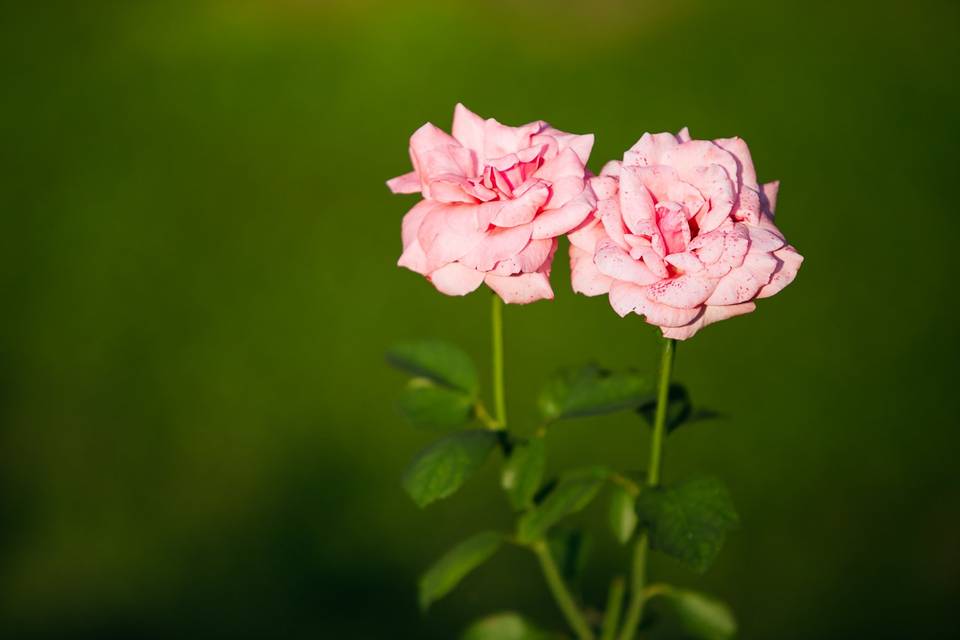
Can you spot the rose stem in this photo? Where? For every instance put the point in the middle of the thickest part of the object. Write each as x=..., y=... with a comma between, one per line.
x=550, y=571
x=499, y=401
x=635, y=608
x=560, y=593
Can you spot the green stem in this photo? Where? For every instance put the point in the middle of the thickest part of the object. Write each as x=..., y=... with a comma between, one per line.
x=496, y=322
x=560, y=592
x=611, y=618
x=637, y=598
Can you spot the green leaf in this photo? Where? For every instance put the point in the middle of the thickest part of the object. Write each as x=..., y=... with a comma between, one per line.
x=427, y=405
x=623, y=514
x=569, y=548
x=688, y=521
x=439, y=361
x=505, y=626
x=572, y=493
x=679, y=409
x=442, y=468
x=589, y=390
x=701, y=616
x=455, y=564
x=523, y=472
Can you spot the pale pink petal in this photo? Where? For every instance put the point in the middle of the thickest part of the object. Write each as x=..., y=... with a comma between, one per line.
x=616, y=263
x=736, y=243
x=740, y=285
x=584, y=276
x=557, y=222
x=612, y=169
x=608, y=211
x=468, y=128
x=761, y=264
x=683, y=135
x=413, y=258
x=664, y=315
x=532, y=258
x=650, y=149
x=685, y=262
x=500, y=140
x=708, y=246
x=738, y=148
x=413, y=219
x=522, y=209
x=636, y=203
x=688, y=158
x=642, y=249
x=498, y=244
x=454, y=279
x=747, y=207
x=715, y=185
x=769, y=199
x=658, y=179
x=582, y=145
x=709, y=316
x=407, y=183
x=604, y=186
x=790, y=263
x=625, y=297
x=684, y=292
x=521, y=289
x=449, y=232
x=588, y=234
x=673, y=226
x=762, y=239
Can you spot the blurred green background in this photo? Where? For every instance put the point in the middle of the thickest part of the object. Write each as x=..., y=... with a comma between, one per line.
x=198, y=432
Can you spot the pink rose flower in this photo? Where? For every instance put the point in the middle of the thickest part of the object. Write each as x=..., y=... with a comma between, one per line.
x=496, y=198
x=683, y=234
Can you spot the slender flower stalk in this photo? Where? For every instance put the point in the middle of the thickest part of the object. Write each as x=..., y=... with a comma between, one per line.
x=560, y=592
x=499, y=399
x=540, y=548
x=638, y=578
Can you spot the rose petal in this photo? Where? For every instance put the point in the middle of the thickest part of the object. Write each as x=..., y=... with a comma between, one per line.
x=764, y=239
x=616, y=263
x=407, y=183
x=709, y=316
x=449, y=232
x=790, y=263
x=740, y=285
x=584, y=276
x=522, y=209
x=532, y=258
x=468, y=128
x=683, y=292
x=521, y=289
x=454, y=279
x=497, y=245
x=650, y=149
x=588, y=234
x=747, y=174
x=715, y=185
x=769, y=200
x=557, y=222
x=636, y=203
x=582, y=145
x=686, y=262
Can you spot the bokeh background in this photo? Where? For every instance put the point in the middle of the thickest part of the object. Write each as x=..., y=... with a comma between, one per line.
x=198, y=433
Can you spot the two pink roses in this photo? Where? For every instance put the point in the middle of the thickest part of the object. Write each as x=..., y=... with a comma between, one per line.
x=679, y=231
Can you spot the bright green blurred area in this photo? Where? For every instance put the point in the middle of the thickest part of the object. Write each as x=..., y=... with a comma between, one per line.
x=198, y=432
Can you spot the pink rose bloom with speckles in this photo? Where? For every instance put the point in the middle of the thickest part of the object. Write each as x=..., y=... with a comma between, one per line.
x=683, y=234
x=496, y=198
